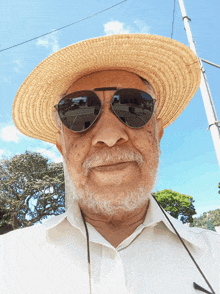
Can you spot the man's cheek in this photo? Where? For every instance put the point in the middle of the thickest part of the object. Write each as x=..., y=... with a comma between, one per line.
x=75, y=154
x=144, y=146
x=77, y=175
x=75, y=161
x=75, y=158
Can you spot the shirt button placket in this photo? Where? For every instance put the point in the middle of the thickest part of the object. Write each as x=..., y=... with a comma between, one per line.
x=112, y=276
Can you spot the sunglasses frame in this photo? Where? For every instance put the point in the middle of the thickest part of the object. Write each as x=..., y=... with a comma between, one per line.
x=100, y=112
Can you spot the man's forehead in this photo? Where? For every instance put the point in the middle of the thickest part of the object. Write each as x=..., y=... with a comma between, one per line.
x=108, y=78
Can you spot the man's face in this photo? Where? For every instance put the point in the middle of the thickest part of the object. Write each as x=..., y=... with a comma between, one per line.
x=111, y=165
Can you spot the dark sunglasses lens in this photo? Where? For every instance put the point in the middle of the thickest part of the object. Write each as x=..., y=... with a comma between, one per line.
x=133, y=107
x=79, y=110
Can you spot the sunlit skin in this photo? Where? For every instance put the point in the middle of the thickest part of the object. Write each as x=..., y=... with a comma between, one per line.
x=109, y=133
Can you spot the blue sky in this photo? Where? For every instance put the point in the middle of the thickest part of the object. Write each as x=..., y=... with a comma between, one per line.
x=188, y=162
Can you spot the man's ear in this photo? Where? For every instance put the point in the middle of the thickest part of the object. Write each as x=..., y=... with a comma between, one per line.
x=160, y=127
x=59, y=142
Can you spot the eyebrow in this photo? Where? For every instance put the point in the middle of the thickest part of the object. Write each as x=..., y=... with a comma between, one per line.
x=105, y=89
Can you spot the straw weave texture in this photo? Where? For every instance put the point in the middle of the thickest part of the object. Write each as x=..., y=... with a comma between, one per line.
x=170, y=67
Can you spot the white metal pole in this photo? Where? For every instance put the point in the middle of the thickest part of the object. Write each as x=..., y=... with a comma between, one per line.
x=205, y=91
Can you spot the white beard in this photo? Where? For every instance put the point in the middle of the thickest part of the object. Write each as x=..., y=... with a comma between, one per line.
x=129, y=202
x=109, y=206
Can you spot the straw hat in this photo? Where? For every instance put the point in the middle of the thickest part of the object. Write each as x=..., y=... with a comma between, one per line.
x=169, y=66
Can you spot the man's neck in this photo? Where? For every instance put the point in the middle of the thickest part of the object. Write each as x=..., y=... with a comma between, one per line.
x=118, y=227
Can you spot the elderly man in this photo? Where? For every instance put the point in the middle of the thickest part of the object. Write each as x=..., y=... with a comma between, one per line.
x=105, y=103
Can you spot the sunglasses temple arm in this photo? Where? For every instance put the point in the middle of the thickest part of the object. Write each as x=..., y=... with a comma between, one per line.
x=204, y=277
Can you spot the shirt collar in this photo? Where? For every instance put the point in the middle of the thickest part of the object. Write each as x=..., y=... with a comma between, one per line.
x=72, y=214
x=154, y=217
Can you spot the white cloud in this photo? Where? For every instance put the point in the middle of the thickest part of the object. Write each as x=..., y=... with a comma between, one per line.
x=142, y=27
x=6, y=80
x=4, y=152
x=48, y=144
x=11, y=134
x=49, y=42
x=46, y=152
x=18, y=62
x=19, y=65
x=58, y=159
x=50, y=154
x=117, y=27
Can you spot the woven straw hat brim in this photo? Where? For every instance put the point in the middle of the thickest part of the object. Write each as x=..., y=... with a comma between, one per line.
x=168, y=65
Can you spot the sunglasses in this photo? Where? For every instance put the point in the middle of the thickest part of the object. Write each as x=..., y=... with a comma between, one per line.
x=79, y=110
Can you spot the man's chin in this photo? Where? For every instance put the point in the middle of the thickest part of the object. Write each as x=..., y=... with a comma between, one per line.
x=111, y=204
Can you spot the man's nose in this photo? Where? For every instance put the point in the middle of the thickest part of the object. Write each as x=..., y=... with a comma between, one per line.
x=108, y=130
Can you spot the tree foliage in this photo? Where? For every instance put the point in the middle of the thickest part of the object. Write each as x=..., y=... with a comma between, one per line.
x=178, y=205
x=219, y=187
x=30, y=190
x=208, y=220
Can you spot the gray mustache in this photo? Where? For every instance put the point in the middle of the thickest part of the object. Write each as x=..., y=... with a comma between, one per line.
x=111, y=157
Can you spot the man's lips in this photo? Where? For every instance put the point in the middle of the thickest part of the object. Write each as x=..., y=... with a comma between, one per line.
x=113, y=167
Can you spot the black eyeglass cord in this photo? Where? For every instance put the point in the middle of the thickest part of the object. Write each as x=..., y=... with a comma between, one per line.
x=88, y=252
x=196, y=286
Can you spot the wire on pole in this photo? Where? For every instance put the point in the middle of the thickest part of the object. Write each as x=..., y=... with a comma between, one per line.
x=211, y=63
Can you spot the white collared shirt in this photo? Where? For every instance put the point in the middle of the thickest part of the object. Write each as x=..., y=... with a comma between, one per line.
x=51, y=258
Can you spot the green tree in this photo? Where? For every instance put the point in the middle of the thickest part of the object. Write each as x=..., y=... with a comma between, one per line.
x=210, y=225
x=31, y=189
x=208, y=220
x=178, y=205
x=219, y=187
